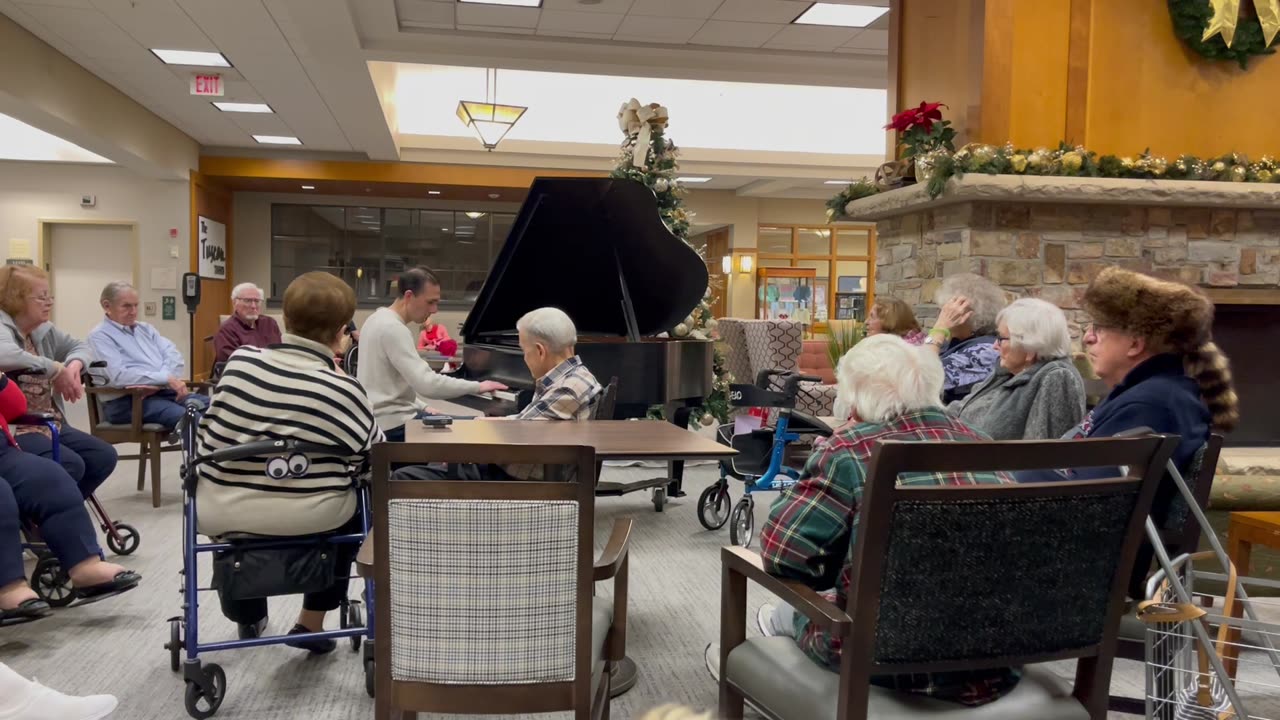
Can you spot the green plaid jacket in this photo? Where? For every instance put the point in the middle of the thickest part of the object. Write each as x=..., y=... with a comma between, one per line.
x=812, y=525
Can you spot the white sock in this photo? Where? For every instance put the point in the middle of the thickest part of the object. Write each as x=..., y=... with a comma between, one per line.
x=13, y=688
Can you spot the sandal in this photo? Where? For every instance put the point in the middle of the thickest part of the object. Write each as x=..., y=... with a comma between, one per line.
x=27, y=611
x=124, y=581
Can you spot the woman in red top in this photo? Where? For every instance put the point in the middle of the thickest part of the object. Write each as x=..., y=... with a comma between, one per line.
x=432, y=335
x=40, y=491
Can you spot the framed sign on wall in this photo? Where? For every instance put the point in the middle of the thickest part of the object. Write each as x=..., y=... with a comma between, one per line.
x=212, y=246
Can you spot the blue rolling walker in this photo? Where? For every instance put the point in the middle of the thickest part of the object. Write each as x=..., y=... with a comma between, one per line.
x=761, y=453
x=206, y=684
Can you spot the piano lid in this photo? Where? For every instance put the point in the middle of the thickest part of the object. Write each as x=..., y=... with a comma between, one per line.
x=597, y=249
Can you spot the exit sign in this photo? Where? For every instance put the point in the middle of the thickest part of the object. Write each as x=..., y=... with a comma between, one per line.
x=206, y=85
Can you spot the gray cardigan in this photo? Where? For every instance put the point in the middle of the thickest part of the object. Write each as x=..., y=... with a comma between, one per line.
x=53, y=345
x=1042, y=402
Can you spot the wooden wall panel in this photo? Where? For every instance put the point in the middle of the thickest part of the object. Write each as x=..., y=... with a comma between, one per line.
x=213, y=202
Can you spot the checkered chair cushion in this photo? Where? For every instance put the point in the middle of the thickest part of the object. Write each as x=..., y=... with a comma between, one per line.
x=482, y=591
x=755, y=345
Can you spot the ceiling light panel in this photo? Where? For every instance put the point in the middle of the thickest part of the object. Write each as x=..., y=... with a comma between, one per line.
x=510, y=3
x=198, y=58
x=855, y=16
x=693, y=179
x=277, y=139
x=243, y=107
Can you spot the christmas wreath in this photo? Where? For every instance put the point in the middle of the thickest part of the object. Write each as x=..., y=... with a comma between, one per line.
x=1192, y=18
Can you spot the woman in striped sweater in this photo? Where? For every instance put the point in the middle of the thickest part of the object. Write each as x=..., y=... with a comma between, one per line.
x=290, y=391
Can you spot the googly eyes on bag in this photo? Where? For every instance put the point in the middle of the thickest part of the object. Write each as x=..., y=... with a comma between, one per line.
x=298, y=464
x=277, y=468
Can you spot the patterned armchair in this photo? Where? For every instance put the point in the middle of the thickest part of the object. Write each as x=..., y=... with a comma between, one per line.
x=484, y=590
x=755, y=345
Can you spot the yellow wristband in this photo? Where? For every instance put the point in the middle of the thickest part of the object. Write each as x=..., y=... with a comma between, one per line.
x=945, y=333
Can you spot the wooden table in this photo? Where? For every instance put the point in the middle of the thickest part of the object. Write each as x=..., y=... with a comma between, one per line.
x=612, y=440
x=1245, y=529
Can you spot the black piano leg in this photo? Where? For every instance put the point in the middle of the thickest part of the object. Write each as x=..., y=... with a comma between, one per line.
x=675, y=488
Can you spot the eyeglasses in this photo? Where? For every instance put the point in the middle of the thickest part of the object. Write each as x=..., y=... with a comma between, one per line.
x=46, y=299
x=249, y=301
x=1002, y=339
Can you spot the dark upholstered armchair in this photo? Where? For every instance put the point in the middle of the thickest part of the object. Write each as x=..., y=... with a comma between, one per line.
x=959, y=578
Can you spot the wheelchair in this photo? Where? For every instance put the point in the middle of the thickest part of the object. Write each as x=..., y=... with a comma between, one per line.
x=206, y=684
x=50, y=580
x=760, y=462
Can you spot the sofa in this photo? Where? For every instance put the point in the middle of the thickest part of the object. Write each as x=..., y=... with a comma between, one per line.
x=754, y=345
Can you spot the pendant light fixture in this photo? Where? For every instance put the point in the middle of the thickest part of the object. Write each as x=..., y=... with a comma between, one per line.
x=490, y=120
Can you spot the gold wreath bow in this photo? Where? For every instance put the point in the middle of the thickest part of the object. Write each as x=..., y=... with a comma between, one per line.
x=639, y=120
x=1226, y=16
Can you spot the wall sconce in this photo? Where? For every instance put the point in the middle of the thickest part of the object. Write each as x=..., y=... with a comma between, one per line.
x=726, y=264
x=744, y=263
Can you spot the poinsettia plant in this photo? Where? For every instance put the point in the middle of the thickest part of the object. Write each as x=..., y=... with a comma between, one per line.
x=922, y=129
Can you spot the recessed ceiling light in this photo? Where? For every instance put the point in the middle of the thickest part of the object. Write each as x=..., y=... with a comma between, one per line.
x=513, y=3
x=838, y=182
x=243, y=107
x=308, y=187
x=199, y=58
x=693, y=179
x=855, y=16
x=277, y=139
x=433, y=192
x=494, y=196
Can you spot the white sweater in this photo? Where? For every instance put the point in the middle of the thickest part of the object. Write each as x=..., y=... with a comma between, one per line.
x=394, y=376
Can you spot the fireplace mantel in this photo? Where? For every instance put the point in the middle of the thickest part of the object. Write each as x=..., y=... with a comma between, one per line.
x=1067, y=190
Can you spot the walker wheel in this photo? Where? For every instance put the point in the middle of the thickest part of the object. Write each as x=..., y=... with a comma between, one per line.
x=659, y=499
x=129, y=539
x=713, y=506
x=201, y=705
x=353, y=617
x=52, y=584
x=174, y=646
x=741, y=522
x=369, y=676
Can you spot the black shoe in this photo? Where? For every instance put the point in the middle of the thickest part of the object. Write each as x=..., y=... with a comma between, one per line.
x=249, y=631
x=316, y=646
x=27, y=611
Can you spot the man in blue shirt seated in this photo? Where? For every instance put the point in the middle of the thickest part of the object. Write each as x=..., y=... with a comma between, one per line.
x=138, y=356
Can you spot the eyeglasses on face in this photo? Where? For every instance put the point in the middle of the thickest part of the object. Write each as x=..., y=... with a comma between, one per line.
x=45, y=299
x=250, y=301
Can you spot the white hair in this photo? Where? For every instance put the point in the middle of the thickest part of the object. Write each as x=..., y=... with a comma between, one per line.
x=986, y=297
x=884, y=376
x=235, y=291
x=1037, y=326
x=550, y=325
x=113, y=290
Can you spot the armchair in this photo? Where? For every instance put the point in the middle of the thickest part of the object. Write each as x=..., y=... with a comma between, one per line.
x=755, y=345
x=1032, y=573
x=490, y=608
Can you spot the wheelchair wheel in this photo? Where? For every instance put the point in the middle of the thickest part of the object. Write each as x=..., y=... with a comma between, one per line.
x=713, y=506
x=201, y=705
x=742, y=522
x=52, y=584
x=129, y=539
x=659, y=499
x=352, y=616
x=174, y=646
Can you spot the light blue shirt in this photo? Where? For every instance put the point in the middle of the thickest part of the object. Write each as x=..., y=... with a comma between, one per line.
x=137, y=355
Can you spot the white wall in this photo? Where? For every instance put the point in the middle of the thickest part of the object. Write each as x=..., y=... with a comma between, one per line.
x=30, y=192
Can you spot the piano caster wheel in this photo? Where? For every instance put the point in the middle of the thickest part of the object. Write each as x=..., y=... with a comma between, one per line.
x=659, y=499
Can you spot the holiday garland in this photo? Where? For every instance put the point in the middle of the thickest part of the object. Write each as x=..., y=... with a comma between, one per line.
x=1192, y=18
x=649, y=157
x=1069, y=161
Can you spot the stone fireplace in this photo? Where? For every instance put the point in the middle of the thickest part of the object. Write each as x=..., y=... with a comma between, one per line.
x=1048, y=237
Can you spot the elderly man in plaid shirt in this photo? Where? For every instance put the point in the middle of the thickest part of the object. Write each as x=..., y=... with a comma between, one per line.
x=894, y=389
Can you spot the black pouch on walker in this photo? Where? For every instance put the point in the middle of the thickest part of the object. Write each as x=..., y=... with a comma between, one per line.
x=242, y=574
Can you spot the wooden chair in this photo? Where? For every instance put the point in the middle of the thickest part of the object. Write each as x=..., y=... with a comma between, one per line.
x=929, y=561
x=1180, y=532
x=490, y=608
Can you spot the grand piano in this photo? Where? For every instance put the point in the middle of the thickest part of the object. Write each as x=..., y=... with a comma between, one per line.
x=597, y=249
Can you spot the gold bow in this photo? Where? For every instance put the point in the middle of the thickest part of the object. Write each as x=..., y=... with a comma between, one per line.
x=639, y=120
x=1226, y=16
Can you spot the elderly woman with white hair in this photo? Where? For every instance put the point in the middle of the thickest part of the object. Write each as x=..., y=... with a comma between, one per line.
x=1036, y=393
x=965, y=332
x=247, y=326
x=893, y=388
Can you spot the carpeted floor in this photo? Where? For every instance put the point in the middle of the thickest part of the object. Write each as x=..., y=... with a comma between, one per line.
x=116, y=646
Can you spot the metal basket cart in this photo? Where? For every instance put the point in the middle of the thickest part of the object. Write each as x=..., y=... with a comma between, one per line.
x=1208, y=657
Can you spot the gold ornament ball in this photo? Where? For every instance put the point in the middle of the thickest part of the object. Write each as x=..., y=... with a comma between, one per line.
x=1264, y=175
x=708, y=420
x=1072, y=161
x=1238, y=174
x=681, y=330
x=1219, y=166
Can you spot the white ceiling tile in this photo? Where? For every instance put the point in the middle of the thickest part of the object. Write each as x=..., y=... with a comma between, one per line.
x=869, y=40
x=555, y=20
x=89, y=30
x=674, y=8
x=498, y=29
x=259, y=124
x=615, y=7
x=155, y=24
x=734, y=34
x=426, y=13
x=238, y=27
x=811, y=37
x=497, y=16
x=761, y=11
x=640, y=28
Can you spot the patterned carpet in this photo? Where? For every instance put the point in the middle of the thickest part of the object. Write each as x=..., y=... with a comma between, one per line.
x=116, y=646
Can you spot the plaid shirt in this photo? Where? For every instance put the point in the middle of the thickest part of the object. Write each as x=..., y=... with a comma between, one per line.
x=812, y=526
x=568, y=392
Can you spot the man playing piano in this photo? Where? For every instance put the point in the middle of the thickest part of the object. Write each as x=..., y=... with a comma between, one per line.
x=390, y=370
x=565, y=389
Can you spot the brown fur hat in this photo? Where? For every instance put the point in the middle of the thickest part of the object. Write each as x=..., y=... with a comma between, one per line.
x=1171, y=316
